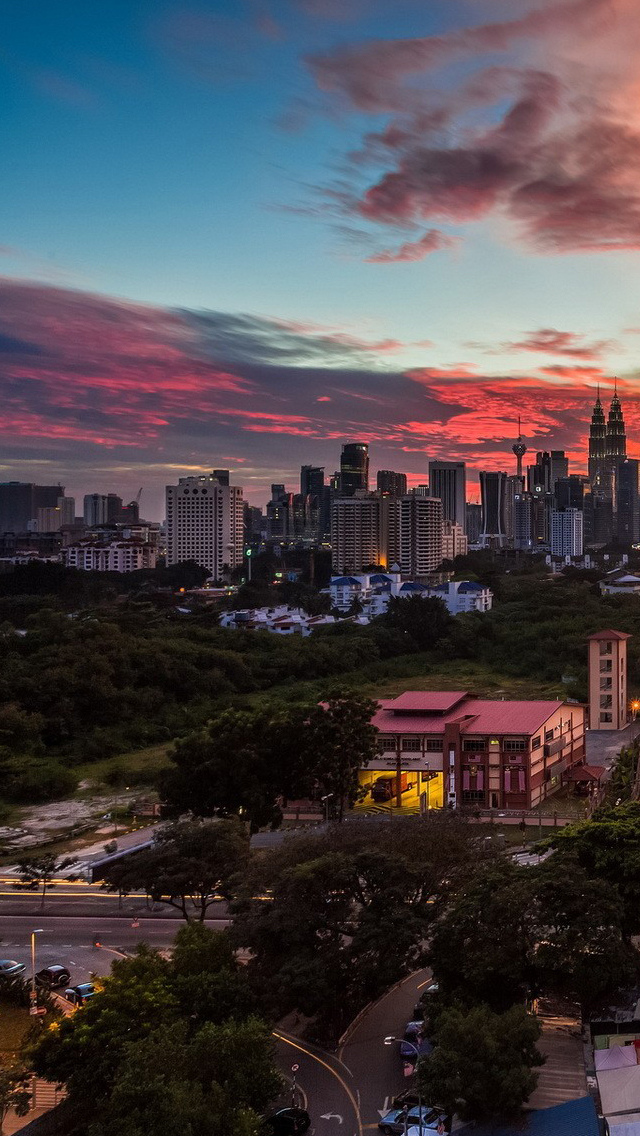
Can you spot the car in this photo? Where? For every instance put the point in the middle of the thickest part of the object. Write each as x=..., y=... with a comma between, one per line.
x=421, y=1005
x=53, y=976
x=79, y=995
x=9, y=968
x=400, y=1120
x=288, y=1122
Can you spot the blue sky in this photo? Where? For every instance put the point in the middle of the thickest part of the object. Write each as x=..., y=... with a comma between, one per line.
x=219, y=158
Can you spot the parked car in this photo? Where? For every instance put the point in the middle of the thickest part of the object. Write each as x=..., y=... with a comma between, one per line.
x=422, y=1005
x=414, y=1040
x=79, y=995
x=53, y=976
x=9, y=968
x=398, y=1119
x=288, y=1122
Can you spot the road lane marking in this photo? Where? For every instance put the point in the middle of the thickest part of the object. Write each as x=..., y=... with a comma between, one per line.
x=334, y=1073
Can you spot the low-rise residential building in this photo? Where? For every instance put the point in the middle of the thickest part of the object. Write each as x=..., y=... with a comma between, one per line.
x=283, y=620
x=620, y=582
x=450, y=748
x=373, y=592
x=115, y=556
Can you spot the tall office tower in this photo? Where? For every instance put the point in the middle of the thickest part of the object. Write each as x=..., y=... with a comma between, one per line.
x=419, y=535
x=628, y=501
x=221, y=475
x=616, y=440
x=354, y=468
x=514, y=486
x=569, y=492
x=519, y=448
x=448, y=481
x=311, y=480
x=67, y=507
x=597, y=445
x=114, y=507
x=280, y=514
x=356, y=539
x=559, y=466
x=566, y=532
x=253, y=522
x=205, y=523
x=493, y=487
x=523, y=524
x=95, y=509
x=51, y=518
x=474, y=522
x=421, y=491
x=393, y=483
x=20, y=501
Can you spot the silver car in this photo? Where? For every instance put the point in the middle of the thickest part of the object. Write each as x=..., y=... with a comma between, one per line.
x=9, y=968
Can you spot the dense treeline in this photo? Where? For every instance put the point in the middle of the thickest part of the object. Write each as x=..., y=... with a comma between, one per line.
x=117, y=673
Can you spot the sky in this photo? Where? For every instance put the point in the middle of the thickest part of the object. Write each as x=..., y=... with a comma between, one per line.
x=237, y=233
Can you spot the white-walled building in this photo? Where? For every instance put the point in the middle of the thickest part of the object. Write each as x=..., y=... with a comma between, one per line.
x=566, y=532
x=205, y=522
x=454, y=540
x=374, y=591
x=116, y=556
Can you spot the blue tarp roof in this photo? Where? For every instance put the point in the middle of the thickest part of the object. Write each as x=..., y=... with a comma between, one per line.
x=573, y=1118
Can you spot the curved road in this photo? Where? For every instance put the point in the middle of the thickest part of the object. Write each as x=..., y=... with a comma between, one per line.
x=328, y=1087
x=377, y=1069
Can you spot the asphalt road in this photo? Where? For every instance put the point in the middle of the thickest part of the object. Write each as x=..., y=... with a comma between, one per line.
x=327, y=1088
x=376, y=1068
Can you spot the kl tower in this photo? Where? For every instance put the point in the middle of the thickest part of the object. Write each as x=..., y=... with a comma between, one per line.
x=519, y=448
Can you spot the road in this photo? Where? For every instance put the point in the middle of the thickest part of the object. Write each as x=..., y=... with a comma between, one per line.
x=376, y=1068
x=328, y=1089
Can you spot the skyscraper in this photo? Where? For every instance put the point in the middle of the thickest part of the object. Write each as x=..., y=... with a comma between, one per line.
x=616, y=440
x=493, y=487
x=356, y=539
x=312, y=480
x=447, y=480
x=20, y=501
x=566, y=532
x=597, y=445
x=519, y=448
x=388, y=481
x=628, y=501
x=354, y=468
x=205, y=523
x=419, y=535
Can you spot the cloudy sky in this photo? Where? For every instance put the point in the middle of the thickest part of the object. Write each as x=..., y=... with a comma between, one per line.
x=240, y=232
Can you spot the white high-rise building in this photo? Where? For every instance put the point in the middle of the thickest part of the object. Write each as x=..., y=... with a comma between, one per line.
x=566, y=532
x=205, y=521
x=419, y=535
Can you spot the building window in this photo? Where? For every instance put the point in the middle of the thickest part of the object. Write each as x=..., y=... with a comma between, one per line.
x=433, y=745
x=388, y=745
x=535, y=744
x=471, y=745
x=606, y=718
x=517, y=745
x=472, y=795
x=411, y=745
x=548, y=735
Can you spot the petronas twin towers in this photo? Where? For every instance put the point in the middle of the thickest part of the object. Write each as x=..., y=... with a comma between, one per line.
x=607, y=445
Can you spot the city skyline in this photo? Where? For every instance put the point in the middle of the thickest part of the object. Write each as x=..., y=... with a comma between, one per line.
x=241, y=233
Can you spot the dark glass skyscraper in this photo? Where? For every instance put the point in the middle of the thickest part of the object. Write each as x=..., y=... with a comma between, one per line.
x=447, y=480
x=597, y=445
x=354, y=468
x=492, y=489
x=628, y=501
x=388, y=481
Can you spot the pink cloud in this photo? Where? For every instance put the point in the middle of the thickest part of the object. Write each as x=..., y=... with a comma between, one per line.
x=432, y=241
x=552, y=342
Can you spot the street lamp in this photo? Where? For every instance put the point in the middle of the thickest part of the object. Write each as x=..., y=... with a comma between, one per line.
x=33, y=998
x=390, y=1041
x=325, y=800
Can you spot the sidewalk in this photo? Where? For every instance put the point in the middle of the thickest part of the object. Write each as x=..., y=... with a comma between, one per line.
x=563, y=1077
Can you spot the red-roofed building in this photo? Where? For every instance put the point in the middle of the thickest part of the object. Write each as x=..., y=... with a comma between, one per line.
x=447, y=747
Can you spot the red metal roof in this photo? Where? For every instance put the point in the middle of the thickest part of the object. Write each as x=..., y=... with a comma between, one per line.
x=609, y=635
x=428, y=701
x=585, y=773
x=476, y=716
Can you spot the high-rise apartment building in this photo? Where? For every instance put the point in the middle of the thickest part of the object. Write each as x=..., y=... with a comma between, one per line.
x=454, y=541
x=53, y=518
x=493, y=487
x=312, y=485
x=567, y=532
x=448, y=481
x=419, y=535
x=354, y=468
x=388, y=481
x=356, y=533
x=474, y=522
x=205, y=523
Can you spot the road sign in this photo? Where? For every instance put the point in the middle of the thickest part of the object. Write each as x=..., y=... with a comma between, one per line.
x=294, y=1068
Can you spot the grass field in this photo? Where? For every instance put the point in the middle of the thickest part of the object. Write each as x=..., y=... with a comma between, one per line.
x=138, y=767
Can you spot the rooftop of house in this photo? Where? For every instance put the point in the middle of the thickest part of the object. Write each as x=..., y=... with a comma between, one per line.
x=609, y=635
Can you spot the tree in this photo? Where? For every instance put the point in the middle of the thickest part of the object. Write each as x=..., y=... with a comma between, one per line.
x=240, y=764
x=608, y=848
x=424, y=621
x=481, y=1066
x=156, y=1041
x=339, y=740
x=14, y=1093
x=40, y=872
x=190, y=866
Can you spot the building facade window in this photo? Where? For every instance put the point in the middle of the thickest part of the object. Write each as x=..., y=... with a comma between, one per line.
x=473, y=745
x=516, y=745
x=388, y=744
x=411, y=745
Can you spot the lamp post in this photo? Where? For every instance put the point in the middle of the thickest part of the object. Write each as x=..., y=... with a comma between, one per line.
x=390, y=1041
x=325, y=801
x=249, y=555
x=33, y=998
